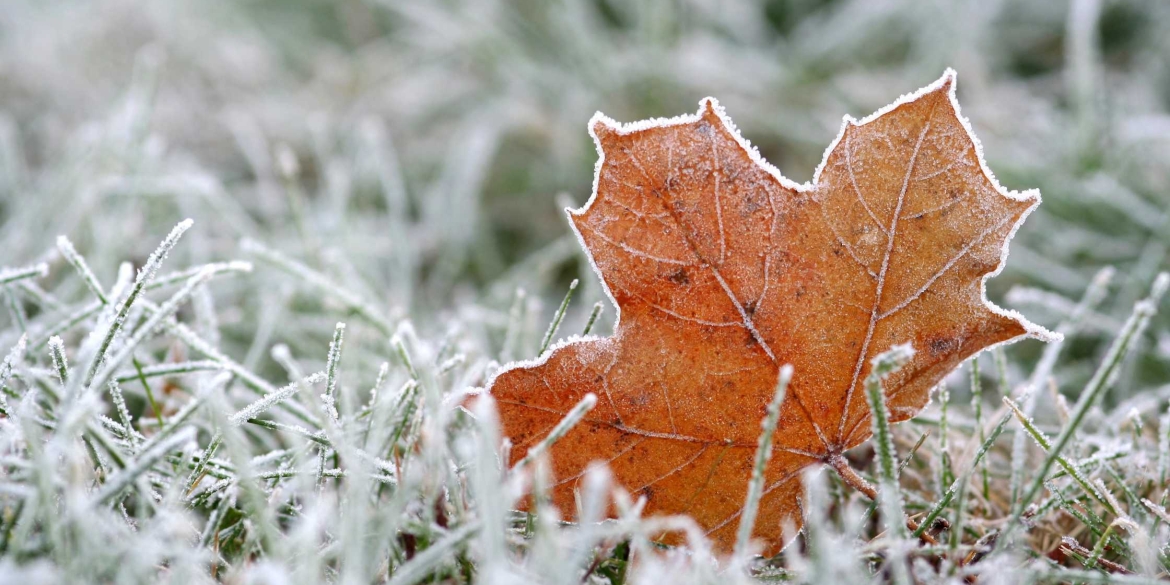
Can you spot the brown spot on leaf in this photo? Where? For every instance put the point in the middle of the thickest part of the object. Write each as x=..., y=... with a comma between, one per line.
x=943, y=346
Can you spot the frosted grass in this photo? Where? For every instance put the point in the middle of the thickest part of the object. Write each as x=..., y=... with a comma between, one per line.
x=145, y=275
x=278, y=396
x=11, y=275
x=562, y=427
x=763, y=456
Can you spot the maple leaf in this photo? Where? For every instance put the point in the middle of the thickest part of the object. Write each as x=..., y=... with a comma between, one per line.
x=723, y=271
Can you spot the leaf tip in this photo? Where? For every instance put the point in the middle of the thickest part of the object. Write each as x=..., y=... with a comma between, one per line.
x=1029, y=196
x=948, y=79
x=602, y=128
x=710, y=109
x=1038, y=332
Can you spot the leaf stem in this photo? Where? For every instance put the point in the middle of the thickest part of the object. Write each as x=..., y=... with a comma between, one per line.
x=855, y=481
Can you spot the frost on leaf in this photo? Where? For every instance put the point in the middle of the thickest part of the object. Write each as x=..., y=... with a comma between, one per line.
x=723, y=271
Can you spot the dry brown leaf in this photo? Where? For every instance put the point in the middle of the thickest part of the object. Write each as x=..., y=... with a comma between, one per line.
x=723, y=271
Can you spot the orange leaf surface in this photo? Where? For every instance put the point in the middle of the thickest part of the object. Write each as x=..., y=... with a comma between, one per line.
x=723, y=270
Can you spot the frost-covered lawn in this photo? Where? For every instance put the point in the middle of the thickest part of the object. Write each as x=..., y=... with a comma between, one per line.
x=196, y=411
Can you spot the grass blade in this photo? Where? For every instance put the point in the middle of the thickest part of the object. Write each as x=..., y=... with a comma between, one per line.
x=763, y=455
x=1102, y=379
x=557, y=318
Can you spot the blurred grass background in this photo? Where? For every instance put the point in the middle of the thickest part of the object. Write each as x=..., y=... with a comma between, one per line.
x=422, y=151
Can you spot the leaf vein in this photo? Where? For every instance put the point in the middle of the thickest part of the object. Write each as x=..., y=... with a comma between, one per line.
x=891, y=236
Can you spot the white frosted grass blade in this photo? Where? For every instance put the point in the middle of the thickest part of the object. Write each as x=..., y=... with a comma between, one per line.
x=60, y=362
x=14, y=357
x=1092, y=297
x=557, y=318
x=763, y=456
x=142, y=464
x=486, y=478
x=321, y=282
x=145, y=275
x=216, y=268
x=331, y=363
x=593, y=503
x=11, y=275
x=371, y=407
x=425, y=562
x=78, y=262
x=276, y=397
x=176, y=422
x=515, y=319
x=890, y=500
x=327, y=408
x=593, y=315
x=155, y=319
x=282, y=355
x=69, y=322
x=1071, y=468
x=169, y=369
x=249, y=378
x=252, y=495
x=124, y=417
x=15, y=308
x=1102, y=379
x=566, y=424
x=7, y=366
x=317, y=436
